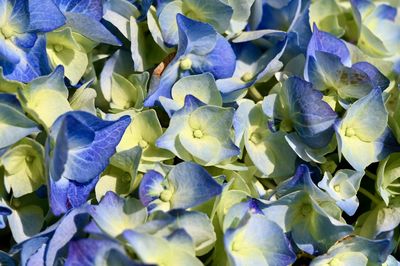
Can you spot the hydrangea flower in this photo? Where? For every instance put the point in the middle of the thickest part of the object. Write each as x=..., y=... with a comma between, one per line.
x=23, y=55
x=243, y=243
x=14, y=123
x=186, y=185
x=378, y=34
x=195, y=55
x=115, y=215
x=329, y=68
x=23, y=165
x=343, y=188
x=215, y=12
x=196, y=133
x=81, y=146
x=199, y=132
x=362, y=139
x=387, y=177
x=168, y=253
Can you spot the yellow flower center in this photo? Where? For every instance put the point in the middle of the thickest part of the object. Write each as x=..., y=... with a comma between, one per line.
x=336, y=188
x=166, y=195
x=7, y=32
x=29, y=159
x=198, y=134
x=185, y=64
x=58, y=48
x=235, y=246
x=246, y=77
x=350, y=132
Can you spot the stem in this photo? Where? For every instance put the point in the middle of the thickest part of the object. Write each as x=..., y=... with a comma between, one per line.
x=370, y=175
x=369, y=195
x=255, y=94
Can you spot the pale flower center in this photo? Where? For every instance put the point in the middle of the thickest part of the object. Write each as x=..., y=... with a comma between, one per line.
x=198, y=134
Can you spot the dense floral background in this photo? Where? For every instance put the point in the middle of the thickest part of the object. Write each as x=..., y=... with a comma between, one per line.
x=199, y=132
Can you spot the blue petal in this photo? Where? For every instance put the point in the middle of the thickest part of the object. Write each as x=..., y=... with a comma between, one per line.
x=143, y=6
x=376, y=77
x=90, y=8
x=251, y=59
x=88, y=252
x=168, y=78
x=91, y=28
x=19, y=18
x=79, y=192
x=32, y=247
x=384, y=11
x=207, y=49
x=325, y=42
x=326, y=71
x=312, y=117
x=75, y=135
x=279, y=16
x=193, y=185
x=214, y=52
x=88, y=155
x=44, y=16
x=25, y=40
x=301, y=32
x=83, y=147
x=32, y=64
x=8, y=55
x=195, y=36
x=4, y=212
x=300, y=181
x=220, y=61
x=151, y=182
x=11, y=100
x=386, y=144
x=6, y=259
x=68, y=227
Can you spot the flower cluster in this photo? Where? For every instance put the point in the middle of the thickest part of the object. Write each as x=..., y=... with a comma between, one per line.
x=199, y=132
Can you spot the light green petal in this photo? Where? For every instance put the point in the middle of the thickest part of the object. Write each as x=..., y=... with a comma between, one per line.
x=118, y=13
x=241, y=13
x=212, y=120
x=359, y=122
x=46, y=98
x=84, y=99
x=25, y=222
x=123, y=94
x=145, y=51
x=206, y=149
x=63, y=49
x=201, y=86
x=114, y=219
x=23, y=164
x=154, y=27
x=157, y=250
x=14, y=125
x=143, y=131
